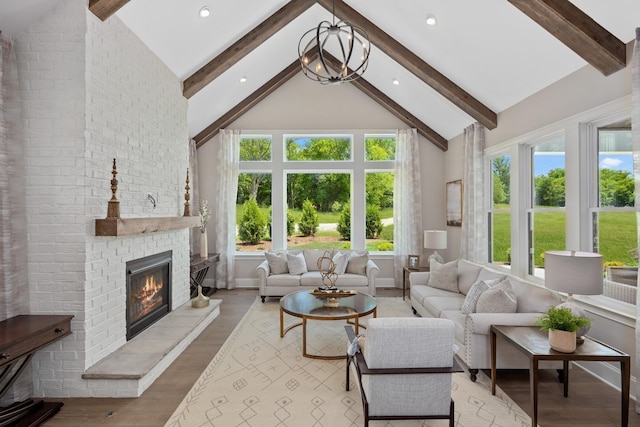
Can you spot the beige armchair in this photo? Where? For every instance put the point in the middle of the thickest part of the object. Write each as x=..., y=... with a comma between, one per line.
x=404, y=369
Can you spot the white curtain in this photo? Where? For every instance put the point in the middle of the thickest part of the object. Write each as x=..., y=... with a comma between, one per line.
x=223, y=209
x=407, y=201
x=194, y=233
x=14, y=286
x=635, y=129
x=473, y=242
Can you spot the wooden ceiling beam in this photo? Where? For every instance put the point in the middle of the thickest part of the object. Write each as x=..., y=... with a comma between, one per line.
x=248, y=103
x=415, y=64
x=294, y=68
x=244, y=46
x=578, y=31
x=105, y=8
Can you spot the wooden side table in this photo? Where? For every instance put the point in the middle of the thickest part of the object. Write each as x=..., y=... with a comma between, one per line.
x=199, y=269
x=534, y=343
x=20, y=338
x=406, y=271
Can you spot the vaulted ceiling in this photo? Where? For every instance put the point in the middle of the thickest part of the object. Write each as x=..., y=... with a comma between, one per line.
x=480, y=59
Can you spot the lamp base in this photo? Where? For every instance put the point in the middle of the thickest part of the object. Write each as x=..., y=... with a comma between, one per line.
x=436, y=257
x=577, y=311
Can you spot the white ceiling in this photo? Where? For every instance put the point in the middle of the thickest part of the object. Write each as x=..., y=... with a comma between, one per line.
x=489, y=48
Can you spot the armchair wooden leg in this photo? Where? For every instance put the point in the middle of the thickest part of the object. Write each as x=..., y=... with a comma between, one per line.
x=452, y=413
x=348, y=362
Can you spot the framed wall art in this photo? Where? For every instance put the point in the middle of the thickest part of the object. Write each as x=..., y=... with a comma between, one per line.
x=413, y=261
x=454, y=203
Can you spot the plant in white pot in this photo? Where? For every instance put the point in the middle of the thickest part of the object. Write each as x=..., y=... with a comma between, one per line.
x=562, y=325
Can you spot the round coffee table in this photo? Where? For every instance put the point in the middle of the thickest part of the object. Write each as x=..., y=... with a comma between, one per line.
x=307, y=307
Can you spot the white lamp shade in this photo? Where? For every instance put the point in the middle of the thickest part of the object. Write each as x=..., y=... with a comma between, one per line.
x=573, y=272
x=435, y=239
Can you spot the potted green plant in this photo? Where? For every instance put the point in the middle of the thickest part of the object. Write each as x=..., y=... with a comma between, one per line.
x=562, y=325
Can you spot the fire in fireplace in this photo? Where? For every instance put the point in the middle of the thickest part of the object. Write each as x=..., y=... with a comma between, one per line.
x=148, y=291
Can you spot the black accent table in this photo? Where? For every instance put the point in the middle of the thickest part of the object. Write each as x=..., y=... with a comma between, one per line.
x=198, y=271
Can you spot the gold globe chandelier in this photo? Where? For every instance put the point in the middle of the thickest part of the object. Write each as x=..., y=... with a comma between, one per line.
x=351, y=44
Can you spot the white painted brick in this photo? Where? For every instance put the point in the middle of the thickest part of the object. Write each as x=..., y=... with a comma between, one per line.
x=92, y=91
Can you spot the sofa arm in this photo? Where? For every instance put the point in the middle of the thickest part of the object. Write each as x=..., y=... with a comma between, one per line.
x=418, y=278
x=263, y=273
x=480, y=323
x=371, y=271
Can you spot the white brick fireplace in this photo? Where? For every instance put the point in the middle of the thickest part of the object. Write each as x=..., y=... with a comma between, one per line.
x=92, y=92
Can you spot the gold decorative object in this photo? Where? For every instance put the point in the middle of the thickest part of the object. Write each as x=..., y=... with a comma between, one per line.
x=113, y=207
x=329, y=276
x=187, y=211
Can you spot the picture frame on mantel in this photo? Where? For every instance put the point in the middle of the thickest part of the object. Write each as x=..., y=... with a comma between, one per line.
x=454, y=203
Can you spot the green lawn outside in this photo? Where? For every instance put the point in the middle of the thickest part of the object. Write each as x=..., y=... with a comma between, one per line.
x=618, y=231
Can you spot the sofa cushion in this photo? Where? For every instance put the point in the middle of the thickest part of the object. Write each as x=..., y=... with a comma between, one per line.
x=470, y=301
x=499, y=298
x=486, y=274
x=420, y=292
x=348, y=280
x=358, y=263
x=436, y=305
x=467, y=275
x=296, y=264
x=532, y=298
x=458, y=320
x=340, y=259
x=469, y=304
x=443, y=276
x=280, y=280
x=311, y=257
x=277, y=262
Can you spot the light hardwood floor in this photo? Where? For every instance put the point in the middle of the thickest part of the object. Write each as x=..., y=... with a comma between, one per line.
x=590, y=402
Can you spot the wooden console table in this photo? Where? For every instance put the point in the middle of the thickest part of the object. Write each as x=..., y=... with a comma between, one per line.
x=20, y=338
x=534, y=343
x=200, y=268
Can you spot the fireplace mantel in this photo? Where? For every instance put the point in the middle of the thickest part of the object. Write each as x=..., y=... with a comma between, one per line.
x=130, y=226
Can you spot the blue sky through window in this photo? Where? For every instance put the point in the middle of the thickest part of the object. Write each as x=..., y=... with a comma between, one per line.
x=545, y=162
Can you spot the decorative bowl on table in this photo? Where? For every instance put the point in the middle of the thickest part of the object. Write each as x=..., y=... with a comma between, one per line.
x=331, y=296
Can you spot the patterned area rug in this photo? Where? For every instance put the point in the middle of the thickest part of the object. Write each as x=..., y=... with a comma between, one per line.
x=258, y=379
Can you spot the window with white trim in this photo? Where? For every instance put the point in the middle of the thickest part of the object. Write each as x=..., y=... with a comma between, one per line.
x=315, y=190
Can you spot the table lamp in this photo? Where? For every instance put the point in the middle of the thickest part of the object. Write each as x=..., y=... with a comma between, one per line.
x=435, y=239
x=573, y=273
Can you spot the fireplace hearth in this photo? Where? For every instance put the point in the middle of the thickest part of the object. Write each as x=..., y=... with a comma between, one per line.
x=148, y=291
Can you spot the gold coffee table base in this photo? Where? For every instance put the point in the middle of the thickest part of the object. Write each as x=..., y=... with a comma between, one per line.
x=364, y=305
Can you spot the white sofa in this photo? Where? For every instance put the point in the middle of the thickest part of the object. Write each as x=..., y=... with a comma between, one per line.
x=276, y=279
x=472, y=329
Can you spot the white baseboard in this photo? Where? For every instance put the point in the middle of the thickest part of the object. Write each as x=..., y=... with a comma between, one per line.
x=608, y=373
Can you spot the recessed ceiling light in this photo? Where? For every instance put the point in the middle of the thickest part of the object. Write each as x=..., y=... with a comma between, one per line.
x=396, y=82
x=243, y=79
x=204, y=12
x=431, y=20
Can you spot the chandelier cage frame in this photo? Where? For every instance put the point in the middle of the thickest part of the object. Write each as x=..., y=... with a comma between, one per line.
x=341, y=36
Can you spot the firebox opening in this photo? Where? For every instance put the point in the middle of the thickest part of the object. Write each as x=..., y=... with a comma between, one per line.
x=148, y=291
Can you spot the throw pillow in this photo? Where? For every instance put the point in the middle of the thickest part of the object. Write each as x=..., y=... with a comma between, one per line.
x=498, y=299
x=443, y=276
x=357, y=263
x=277, y=262
x=340, y=259
x=296, y=264
x=469, y=304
